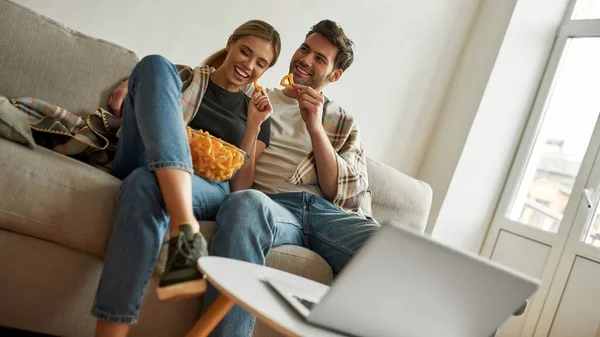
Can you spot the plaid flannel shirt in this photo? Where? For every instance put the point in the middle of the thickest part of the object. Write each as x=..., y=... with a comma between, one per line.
x=194, y=84
x=344, y=135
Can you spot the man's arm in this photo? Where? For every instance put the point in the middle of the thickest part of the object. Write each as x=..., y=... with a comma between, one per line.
x=342, y=166
x=352, y=169
x=311, y=109
x=326, y=163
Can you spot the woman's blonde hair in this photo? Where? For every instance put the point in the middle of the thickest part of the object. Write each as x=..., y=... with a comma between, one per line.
x=256, y=28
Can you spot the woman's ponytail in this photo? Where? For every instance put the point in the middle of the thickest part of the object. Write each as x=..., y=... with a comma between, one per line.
x=216, y=60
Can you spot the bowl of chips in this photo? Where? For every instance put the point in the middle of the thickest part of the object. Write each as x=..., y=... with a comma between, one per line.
x=213, y=158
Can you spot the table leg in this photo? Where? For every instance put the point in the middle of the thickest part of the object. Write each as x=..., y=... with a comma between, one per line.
x=211, y=318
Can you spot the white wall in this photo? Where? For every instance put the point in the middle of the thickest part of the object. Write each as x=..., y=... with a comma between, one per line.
x=406, y=51
x=463, y=100
x=478, y=165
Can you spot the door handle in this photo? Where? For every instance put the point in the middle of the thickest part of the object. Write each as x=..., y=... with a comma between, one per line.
x=589, y=196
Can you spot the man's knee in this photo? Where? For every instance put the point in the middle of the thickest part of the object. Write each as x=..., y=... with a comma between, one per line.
x=246, y=200
x=240, y=213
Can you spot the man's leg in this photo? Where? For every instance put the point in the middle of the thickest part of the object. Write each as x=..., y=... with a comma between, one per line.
x=334, y=234
x=249, y=224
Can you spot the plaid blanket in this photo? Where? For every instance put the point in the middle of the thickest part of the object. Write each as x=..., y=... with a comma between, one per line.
x=92, y=139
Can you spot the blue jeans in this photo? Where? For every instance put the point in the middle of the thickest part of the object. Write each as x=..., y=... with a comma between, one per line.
x=250, y=223
x=153, y=137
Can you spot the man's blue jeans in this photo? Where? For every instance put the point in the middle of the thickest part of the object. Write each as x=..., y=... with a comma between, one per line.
x=153, y=137
x=250, y=223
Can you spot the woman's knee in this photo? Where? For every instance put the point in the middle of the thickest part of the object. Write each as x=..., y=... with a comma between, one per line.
x=152, y=62
x=155, y=66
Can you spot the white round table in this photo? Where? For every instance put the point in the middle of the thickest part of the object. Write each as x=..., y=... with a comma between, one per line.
x=242, y=283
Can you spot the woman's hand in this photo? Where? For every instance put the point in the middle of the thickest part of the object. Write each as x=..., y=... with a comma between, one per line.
x=259, y=109
x=116, y=98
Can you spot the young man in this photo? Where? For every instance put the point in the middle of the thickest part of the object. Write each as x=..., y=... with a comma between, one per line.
x=309, y=182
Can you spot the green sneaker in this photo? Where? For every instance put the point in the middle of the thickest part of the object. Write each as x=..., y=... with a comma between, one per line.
x=182, y=277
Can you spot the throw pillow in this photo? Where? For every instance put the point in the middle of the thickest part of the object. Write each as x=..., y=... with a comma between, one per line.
x=365, y=204
x=13, y=124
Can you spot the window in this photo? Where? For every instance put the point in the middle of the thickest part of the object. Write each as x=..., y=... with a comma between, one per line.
x=586, y=9
x=567, y=116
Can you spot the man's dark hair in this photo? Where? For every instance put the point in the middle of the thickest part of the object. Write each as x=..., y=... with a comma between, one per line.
x=335, y=34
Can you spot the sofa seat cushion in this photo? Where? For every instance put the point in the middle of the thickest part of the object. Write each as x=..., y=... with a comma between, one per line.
x=56, y=198
x=293, y=259
x=302, y=262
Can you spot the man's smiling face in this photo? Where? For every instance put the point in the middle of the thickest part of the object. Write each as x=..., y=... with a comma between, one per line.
x=313, y=63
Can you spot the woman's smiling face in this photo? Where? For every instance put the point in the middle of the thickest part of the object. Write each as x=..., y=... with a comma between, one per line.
x=247, y=59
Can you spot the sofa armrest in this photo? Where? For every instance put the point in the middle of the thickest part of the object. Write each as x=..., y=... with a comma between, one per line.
x=398, y=198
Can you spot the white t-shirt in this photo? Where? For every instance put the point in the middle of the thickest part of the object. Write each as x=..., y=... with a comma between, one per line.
x=289, y=144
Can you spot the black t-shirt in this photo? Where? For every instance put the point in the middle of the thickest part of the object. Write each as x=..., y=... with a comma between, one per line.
x=224, y=113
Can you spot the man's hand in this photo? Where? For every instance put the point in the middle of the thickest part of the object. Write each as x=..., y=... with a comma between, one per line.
x=116, y=98
x=259, y=109
x=311, y=107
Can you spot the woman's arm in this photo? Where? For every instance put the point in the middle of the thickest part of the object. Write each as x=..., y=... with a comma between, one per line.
x=116, y=98
x=259, y=110
x=244, y=178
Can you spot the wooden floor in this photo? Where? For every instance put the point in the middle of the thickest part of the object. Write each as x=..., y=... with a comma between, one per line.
x=8, y=332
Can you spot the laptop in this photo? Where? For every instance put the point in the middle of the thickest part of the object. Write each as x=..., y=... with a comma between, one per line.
x=403, y=283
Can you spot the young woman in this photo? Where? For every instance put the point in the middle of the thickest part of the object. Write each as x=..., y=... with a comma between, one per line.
x=160, y=191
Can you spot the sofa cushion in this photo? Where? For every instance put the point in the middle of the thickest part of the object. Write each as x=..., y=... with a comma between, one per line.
x=397, y=197
x=300, y=261
x=366, y=204
x=293, y=259
x=13, y=124
x=43, y=59
x=56, y=198
x=46, y=287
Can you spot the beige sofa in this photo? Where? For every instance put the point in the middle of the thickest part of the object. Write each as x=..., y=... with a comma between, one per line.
x=56, y=213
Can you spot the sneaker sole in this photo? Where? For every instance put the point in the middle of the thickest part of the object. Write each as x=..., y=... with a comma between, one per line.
x=181, y=290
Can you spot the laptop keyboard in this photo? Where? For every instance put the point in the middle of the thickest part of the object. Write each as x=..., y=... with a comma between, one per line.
x=308, y=304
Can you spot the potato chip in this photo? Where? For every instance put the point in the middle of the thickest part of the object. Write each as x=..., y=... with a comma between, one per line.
x=290, y=81
x=213, y=158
